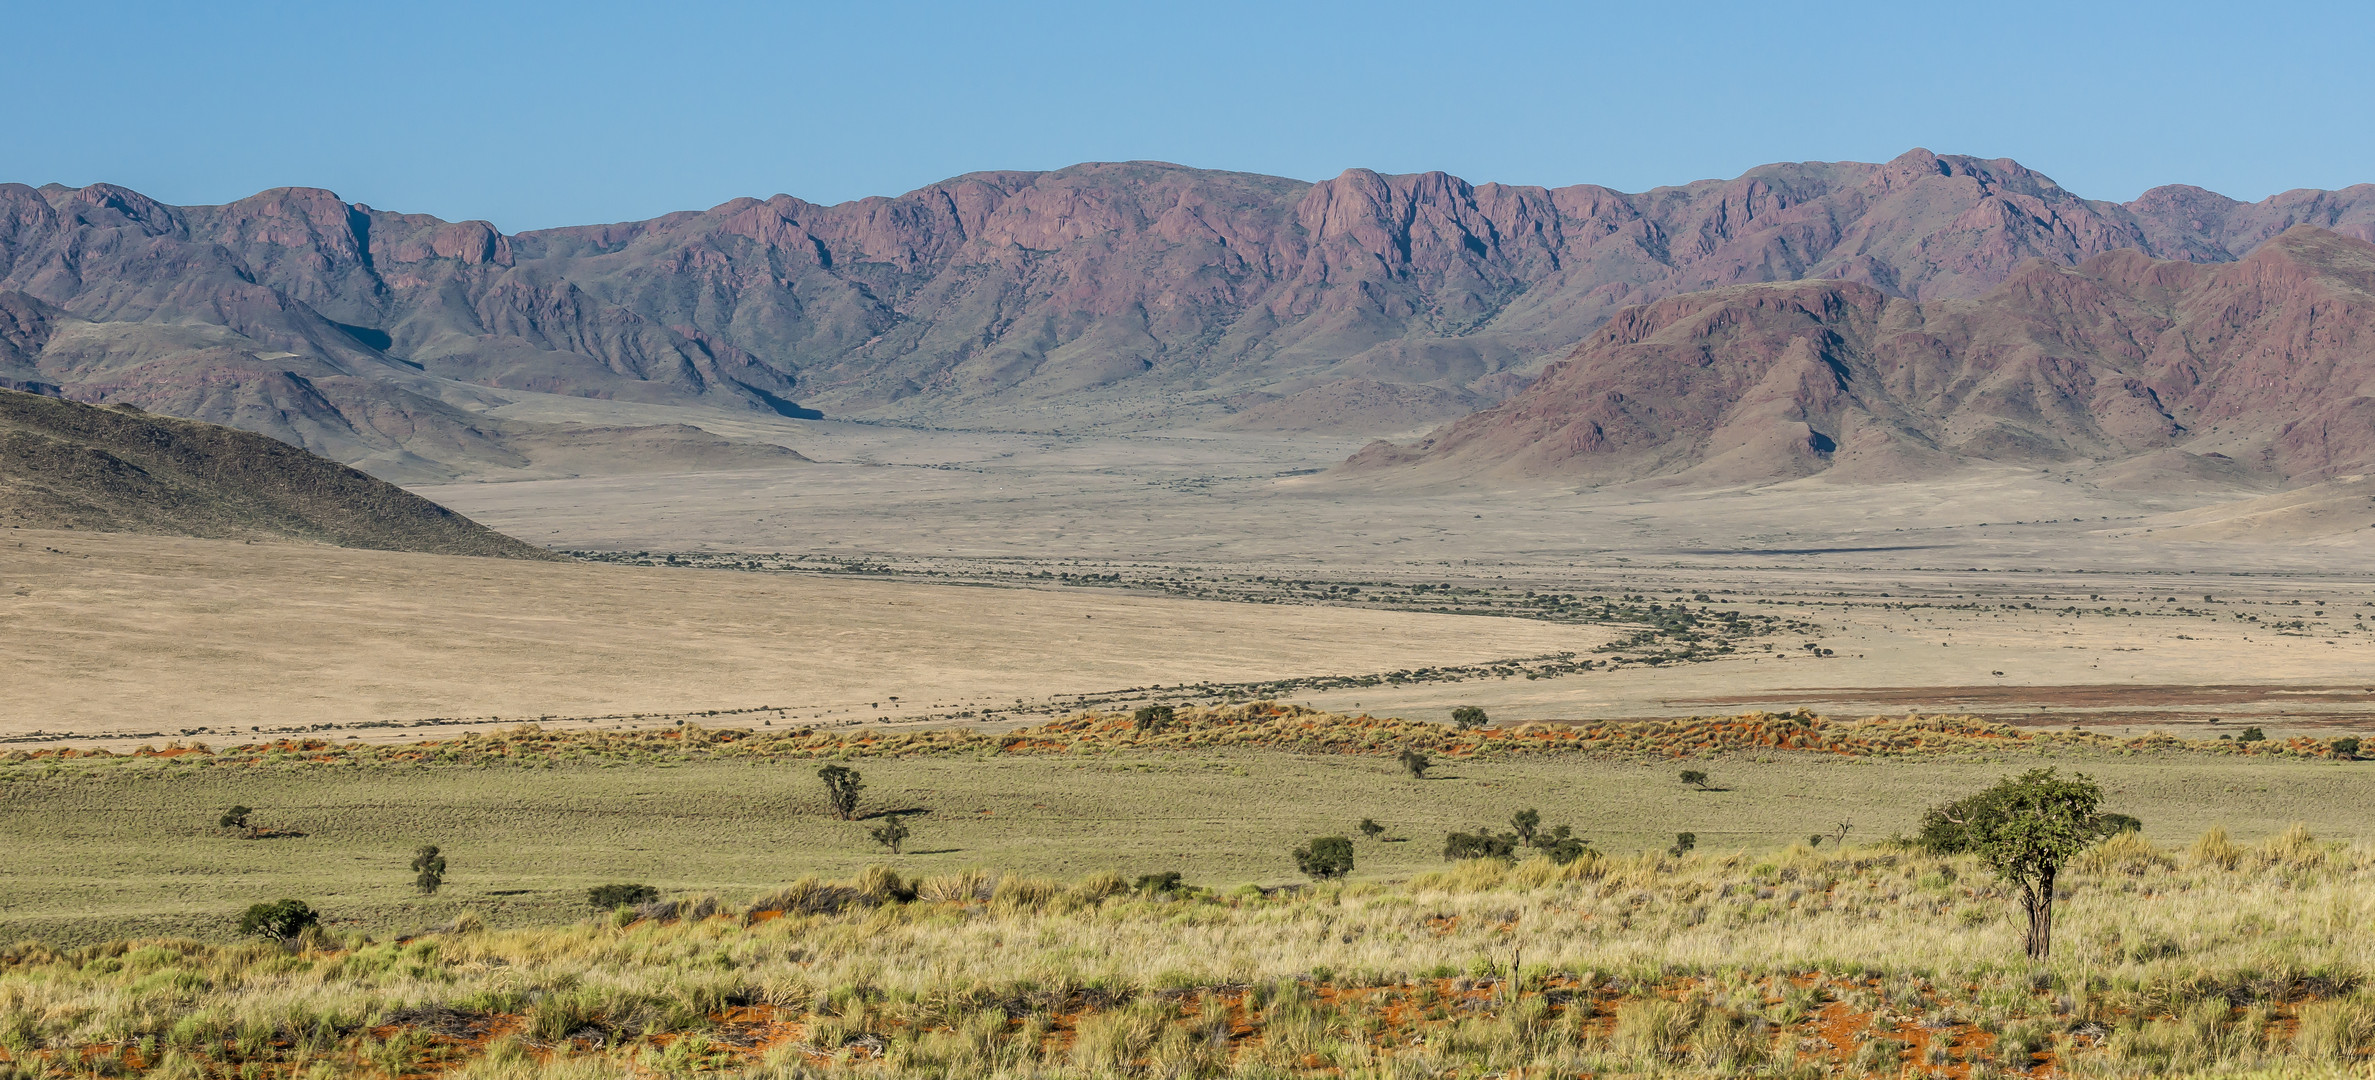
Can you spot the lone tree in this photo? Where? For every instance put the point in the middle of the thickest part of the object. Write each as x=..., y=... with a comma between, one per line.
x=1683, y=843
x=842, y=785
x=1527, y=822
x=237, y=818
x=2024, y=829
x=1154, y=718
x=1326, y=858
x=1371, y=829
x=1695, y=778
x=428, y=868
x=282, y=919
x=891, y=833
x=1467, y=718
x=1416, y=762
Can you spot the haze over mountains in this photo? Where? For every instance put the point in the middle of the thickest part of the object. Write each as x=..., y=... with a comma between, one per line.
x=1125, y=295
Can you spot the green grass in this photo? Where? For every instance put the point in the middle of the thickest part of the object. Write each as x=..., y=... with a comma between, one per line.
x=130, y=847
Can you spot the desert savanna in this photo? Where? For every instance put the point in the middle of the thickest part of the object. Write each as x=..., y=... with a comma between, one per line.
x=1015, y=608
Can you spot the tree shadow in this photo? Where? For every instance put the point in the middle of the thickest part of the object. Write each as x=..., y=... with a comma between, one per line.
x=938, y=851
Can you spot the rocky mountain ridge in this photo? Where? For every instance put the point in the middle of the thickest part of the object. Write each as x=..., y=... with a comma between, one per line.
x=2122, y=369
x=1136, y=294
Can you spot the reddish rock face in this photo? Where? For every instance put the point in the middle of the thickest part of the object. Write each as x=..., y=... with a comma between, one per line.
x=2267, y=364
x=1076, y=296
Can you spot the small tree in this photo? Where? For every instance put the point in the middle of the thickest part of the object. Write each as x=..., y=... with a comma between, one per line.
x=237, y=818
x=1371, y=829
x=1154, y=718
x=2024, y=829
x=1416, y=762
x=1526, y=822
x=842, y=785
x=1695, y=778
x=1467, y=718
x=2347, y=747
x=891, y=833
x=2252, y=734
x=1683, y=843
x=608, y=897
x=428, y=868
x=1325, y=858
x=281, y=919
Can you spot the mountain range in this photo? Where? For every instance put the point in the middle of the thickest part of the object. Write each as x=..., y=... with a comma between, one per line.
x=2129, y=368
x=1134, y=294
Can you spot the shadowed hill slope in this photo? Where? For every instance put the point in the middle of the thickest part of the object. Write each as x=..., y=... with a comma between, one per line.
x=2258, y=371
x=117, y=469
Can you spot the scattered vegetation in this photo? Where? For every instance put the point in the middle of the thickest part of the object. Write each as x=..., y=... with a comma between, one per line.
x=1794, y=963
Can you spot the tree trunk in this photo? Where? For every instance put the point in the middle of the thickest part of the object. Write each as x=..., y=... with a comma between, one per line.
x=2037, y=901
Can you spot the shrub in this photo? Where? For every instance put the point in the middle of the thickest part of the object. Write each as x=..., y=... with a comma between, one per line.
x=1683, y=843
x=1481, y=844
x=1526, y=822
x=280, y=919
x=842, y=785
x=1166, y=882
x=608, y=897
x=2346, y=747
x=1695, y=778
x=1416, y=762
x=1562, y=846
x=2252, y=734
x=2114, y=824
x=1154, y=718
x=1468, y=718
x=1371, y=829
x=1325, y=858
x=236, y=818
x=428, y=869
x=891, y=833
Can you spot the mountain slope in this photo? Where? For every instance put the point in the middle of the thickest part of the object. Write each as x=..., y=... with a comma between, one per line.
x=1134, y=293
x=117, y=469
x=2263, y=368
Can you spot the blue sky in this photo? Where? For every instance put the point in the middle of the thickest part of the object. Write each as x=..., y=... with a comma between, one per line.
x=537, y=114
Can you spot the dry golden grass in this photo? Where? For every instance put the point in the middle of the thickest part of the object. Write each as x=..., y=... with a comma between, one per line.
x=1796, y=963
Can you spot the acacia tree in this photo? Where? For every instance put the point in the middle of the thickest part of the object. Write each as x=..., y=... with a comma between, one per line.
x=428, y=867
x=1467, y=718
x=1325, y=858
x=891, y=833
x=842, y=785
x=2024, y=829
x=1526, y=822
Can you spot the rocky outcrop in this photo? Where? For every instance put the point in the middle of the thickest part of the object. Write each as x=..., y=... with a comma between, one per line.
x=2259, y=368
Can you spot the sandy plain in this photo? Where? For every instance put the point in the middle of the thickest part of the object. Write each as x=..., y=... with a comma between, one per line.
x=2030, y=596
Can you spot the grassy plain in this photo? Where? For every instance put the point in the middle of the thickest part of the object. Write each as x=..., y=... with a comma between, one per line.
x=104, y=847
x=2216, y=959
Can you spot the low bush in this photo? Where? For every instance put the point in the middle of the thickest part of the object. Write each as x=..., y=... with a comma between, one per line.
x=279, y=919
x=608, y=897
